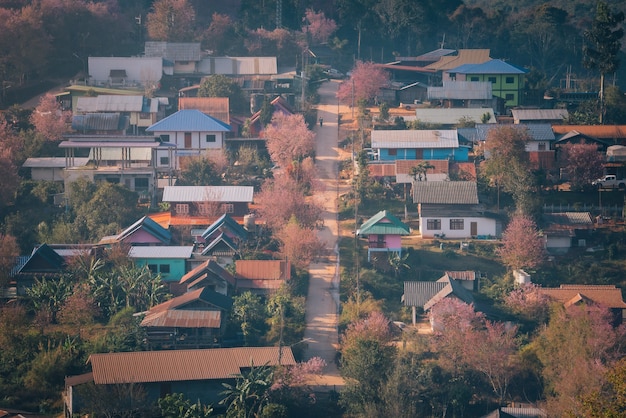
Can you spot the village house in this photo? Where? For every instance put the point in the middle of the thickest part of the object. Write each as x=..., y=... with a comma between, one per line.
x=197, y=374
x=435, y=144
x=450, y=209
x=384, y=234
x=190, y=133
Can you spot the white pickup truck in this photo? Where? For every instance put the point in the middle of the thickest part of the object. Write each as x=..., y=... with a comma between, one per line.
x=610, y=181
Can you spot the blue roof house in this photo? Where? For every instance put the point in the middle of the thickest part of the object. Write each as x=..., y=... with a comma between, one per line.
x=507, y=80
x=191, y=132
x=433, y=144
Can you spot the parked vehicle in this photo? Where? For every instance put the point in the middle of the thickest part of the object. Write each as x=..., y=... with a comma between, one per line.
x=410, y=106
x=333, y=73
x=610, y=181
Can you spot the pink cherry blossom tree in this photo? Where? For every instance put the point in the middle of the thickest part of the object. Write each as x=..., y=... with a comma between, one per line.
x=288, y=139
x=364, y=84
x=522, y=244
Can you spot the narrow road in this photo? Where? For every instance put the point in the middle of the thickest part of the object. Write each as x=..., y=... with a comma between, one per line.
x=323, y=296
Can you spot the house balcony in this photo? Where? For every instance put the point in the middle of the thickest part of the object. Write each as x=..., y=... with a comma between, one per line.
x=378, y=244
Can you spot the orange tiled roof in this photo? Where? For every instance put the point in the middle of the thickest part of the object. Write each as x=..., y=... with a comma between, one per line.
x=596, y=131
x=440, y=166
x=216, y=107
x=605, y=295
x=382, y=170
x=263, y=269
x=465, y=56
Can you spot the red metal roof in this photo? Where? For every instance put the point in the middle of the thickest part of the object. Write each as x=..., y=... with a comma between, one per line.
x=184, y=319
x=182, y=365
x=596, y=131
x=263, y=269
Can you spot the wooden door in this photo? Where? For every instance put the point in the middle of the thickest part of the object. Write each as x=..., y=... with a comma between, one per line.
x=187, y=140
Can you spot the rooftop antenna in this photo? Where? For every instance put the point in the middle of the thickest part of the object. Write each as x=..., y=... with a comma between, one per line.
x=443, y=41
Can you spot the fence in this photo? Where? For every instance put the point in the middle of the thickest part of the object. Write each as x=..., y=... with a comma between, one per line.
x=604, y=210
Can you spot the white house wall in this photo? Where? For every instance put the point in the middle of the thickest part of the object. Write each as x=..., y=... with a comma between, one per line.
x=139, y=70
x=484, y=227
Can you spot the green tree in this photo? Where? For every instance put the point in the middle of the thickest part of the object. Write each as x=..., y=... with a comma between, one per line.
x=221, y=86
x=47, y=295
x=175, y=405
x=602, y=45
x=250, y=312
x=366, y=359
x=250, y=394
x=610, y=400
x=171, y=20
x=199, y=171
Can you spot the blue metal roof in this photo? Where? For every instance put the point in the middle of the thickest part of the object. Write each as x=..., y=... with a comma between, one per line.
x=490, y=67
x=189, y=120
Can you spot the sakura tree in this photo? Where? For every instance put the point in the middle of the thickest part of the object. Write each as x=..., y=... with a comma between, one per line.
x=49, y=119
x=288, y=139
x=298, y=244
x=318, y=26
x=364, y=84
x=522, y=244
x=281, y=198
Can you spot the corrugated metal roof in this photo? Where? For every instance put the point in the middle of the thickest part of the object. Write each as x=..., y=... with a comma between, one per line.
x=445, y=192
x=173, y=51
x=182, y=365
x=539, y=114
x=419, y=293
x=208, y=269
x=452, y=116
x=596, y=131
x=184, y=319
x=189, y=120
x=101, y=141
x=452, y=211
x=383, y=223
x=161, y=251
x=415, y=139
x=263, y=269
x=461, y=90
x=462, y=275
x=465, y=56
x=218, y=107
x=208, y=194
x=606, y=295
x=100, y=122
x=432, y=55
x=238, y=66
x=524, y=412
x=539, y=131
x=118, y=154
x=110, y=103
x=53, y=162
x=568, y=218
x=494, y=66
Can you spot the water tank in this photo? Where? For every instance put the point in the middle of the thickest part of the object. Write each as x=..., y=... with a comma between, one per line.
x=249, y=221
x=256, y=102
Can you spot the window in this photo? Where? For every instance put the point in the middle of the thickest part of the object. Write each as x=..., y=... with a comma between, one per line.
x=456, y=224
x=182, y=208
x=204, y=208
x=492, y=80
x=510, y=80
x=509, y=97
x=474, y=79
x=393, y=152
x=141, y=184
x=144, y=115
x=152, y=268
x=210, y=138
x=452, y=76
x=165, y=160
x=542, y=146
x=228, y=208
x=164, y=138
x=433, y=224
x=164, y=268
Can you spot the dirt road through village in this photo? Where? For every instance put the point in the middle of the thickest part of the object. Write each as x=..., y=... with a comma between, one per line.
x=321, y=334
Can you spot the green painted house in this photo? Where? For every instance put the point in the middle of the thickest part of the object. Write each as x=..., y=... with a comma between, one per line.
x=507, y=80
x=169, y=261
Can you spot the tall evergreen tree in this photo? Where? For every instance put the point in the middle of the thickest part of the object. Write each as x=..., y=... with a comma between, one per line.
x=603, y=43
